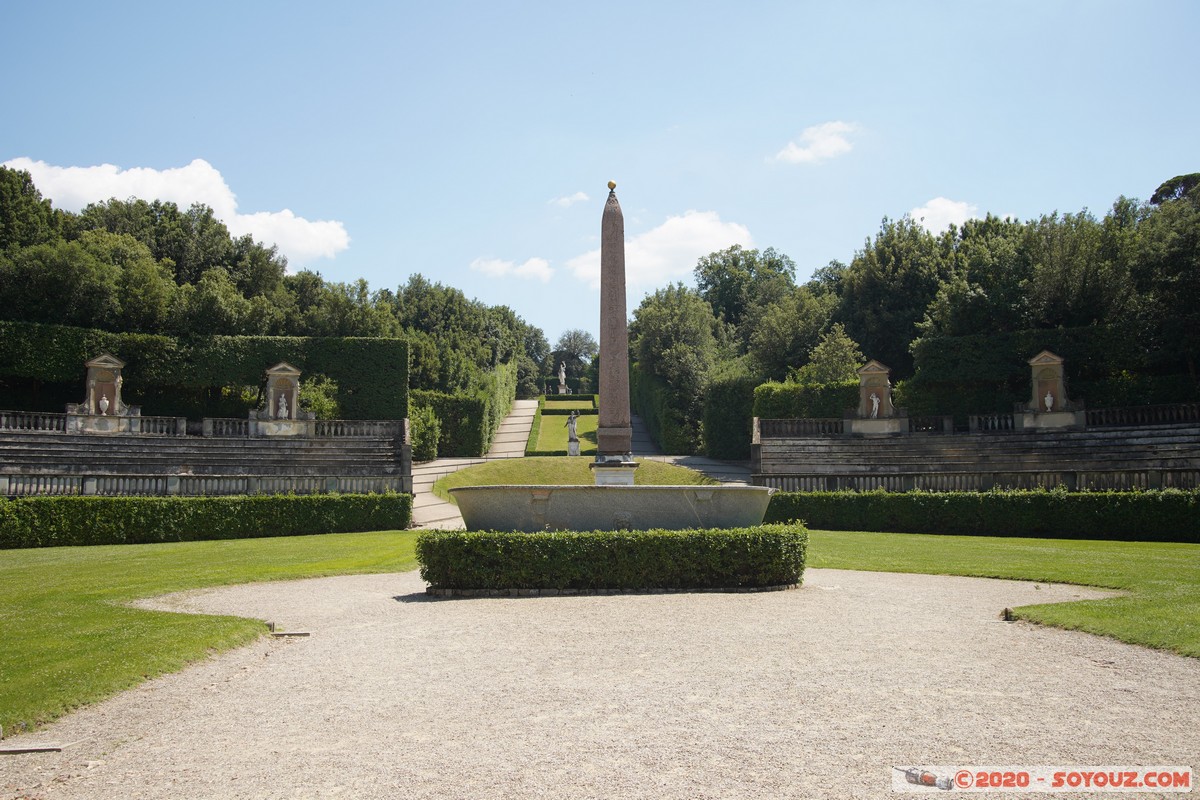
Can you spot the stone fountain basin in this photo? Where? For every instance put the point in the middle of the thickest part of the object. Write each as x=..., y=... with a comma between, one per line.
x=605, y=508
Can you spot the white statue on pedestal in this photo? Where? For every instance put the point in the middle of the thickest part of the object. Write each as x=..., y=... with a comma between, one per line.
x=874, y=406
x=283, y=408
x=1049, y=399
x=572, y=435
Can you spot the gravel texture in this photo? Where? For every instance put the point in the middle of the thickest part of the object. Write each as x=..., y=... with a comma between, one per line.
x=810, y=693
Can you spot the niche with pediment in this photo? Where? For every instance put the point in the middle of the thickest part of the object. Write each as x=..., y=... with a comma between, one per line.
x=1048, y=385
x=875, y=391
x=103, y=395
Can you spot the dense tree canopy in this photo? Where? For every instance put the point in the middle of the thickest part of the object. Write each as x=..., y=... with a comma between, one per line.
x=151, y=267
x=1132, y=276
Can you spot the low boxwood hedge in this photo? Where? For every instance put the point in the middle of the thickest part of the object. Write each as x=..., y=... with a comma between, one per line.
x=768, y=555
x=1149, y=516
x=60, y=521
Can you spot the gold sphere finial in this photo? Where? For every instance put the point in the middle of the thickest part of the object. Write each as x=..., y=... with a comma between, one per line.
x=612, y=185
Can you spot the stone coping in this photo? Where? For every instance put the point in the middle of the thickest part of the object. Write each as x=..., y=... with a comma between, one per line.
x=469, y=593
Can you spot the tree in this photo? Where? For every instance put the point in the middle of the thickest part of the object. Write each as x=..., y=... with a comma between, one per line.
x=25, y=218
x=1176, y=188
x=734, y=280
x=1070, y=282
x=577, y=348
x=887, y=288
x=985, y=290
x=145, y=289
x=835, y=359
x=786, y=330
x=60, y=283
x=672, y=338
x=213, y=306
x=1168, y=272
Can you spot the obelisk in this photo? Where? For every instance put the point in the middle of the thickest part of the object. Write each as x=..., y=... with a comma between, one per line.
x=614, y=463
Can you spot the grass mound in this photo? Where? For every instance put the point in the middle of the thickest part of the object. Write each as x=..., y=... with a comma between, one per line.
x=562, y=471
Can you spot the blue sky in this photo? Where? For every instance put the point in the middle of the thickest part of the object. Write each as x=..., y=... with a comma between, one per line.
x=472, y=142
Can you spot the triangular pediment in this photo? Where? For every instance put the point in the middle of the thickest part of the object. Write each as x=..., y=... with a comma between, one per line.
x=873, y=367
x=105, y=361
x=1045, y=358
x=283, y=369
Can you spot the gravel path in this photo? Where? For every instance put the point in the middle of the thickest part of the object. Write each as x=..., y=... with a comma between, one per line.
x=808, y=693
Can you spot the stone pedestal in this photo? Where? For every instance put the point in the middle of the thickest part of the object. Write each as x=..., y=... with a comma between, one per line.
x=282, y=427
x=876, y=426
x=1035, y=420
x=572, y=448
x=613, y=473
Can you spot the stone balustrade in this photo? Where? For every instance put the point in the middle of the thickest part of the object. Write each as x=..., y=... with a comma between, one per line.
x=32, y=421
x=1072, y=480
x=1143, y=415
x=989, y=423
x=21, y=485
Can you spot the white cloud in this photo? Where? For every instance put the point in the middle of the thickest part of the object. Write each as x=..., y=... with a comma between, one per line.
x=567, y=201
x=819, y=143
x=72, y=188
x=667, y=253
x=940, y=212
x=534, y=268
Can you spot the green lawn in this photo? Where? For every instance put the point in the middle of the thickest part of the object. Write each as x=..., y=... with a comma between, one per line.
x=552, y=436
x=1162, y=609
x=561, y=471
x=67, y=640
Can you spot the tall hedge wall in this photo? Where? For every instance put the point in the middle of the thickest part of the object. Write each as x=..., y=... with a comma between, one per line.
x=468, y=421
x=988, y=373
x=797, y=401
x=728, y=418
x=1152, y=516
x=651, y=398
x=63, y=521
x=371, y=374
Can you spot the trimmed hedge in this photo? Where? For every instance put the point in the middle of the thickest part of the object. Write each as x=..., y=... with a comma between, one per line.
x=800, y=401
x=987, y=373
x=69, y=521
x=727, y=424
x=371, y=374
x=468, y=422
x=1169, y=515
x=652, y=400
x=768, y=555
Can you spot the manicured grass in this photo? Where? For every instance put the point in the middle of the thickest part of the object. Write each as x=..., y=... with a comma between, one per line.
x=66, y=639
x=553, y=434
x=578, y=405
x=562, y=471
x=1162, y=609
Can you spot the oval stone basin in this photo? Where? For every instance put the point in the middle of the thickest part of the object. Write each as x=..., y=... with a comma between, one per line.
x=607, y=508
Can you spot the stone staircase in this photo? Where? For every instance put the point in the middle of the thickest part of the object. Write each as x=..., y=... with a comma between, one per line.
x=1117, y=458
x=40, y=462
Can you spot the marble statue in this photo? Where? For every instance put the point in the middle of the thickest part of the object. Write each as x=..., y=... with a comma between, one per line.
x=283, y=408
x=874, y=406
x=1049, y=399
x=562, y=373
x=572, y=434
